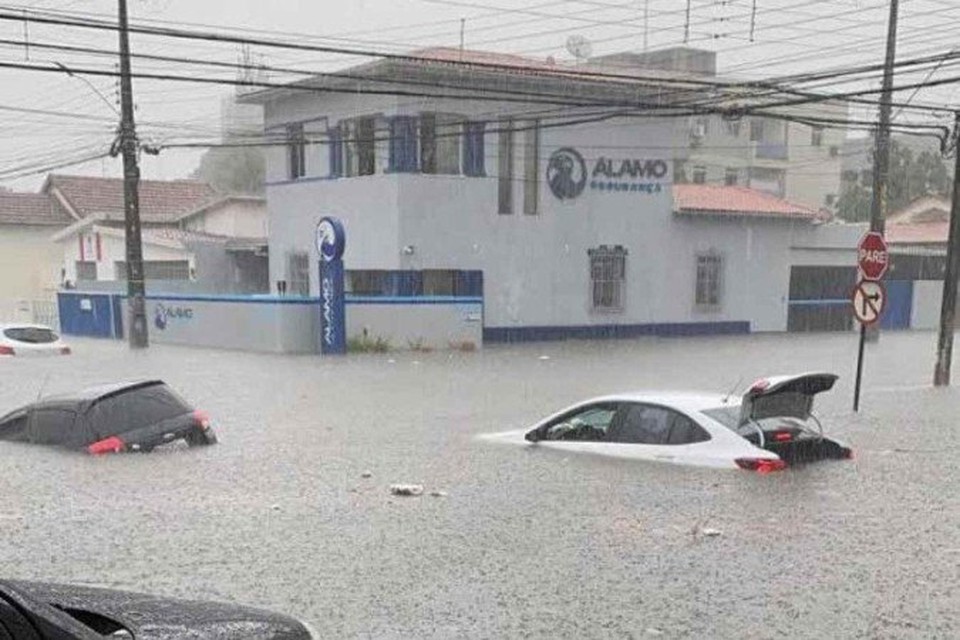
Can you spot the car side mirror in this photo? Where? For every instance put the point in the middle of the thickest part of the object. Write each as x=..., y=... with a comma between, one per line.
x=534, y=435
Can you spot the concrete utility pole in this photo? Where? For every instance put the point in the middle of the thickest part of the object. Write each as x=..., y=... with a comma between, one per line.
x=881, y=169
x=948, y=306
x=137, y=326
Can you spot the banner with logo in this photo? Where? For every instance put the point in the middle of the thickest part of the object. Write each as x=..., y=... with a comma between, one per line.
x=331, y=241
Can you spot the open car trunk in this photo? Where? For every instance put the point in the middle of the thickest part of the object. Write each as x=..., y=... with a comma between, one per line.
x=777, y=415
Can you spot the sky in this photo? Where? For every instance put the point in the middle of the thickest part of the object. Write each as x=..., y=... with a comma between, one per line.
x=778, y=37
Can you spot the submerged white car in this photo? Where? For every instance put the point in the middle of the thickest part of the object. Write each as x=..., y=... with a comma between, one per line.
x=30, y=340
x=771, y=427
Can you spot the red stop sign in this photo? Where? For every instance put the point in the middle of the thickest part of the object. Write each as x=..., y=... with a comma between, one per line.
x=872, y=256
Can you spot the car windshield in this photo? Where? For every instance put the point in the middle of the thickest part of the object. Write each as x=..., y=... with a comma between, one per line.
x=33, y=335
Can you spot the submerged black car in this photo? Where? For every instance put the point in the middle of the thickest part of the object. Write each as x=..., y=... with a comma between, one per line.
x=136, y=416
x=38, y=611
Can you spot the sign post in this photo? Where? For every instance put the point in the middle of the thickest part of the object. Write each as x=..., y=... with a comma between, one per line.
x=869, y=297
x=331, y=241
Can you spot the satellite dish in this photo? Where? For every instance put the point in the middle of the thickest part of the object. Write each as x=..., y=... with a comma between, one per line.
x=579, y=47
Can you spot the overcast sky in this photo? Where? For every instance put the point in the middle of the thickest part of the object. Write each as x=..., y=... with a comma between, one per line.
x=782, y=36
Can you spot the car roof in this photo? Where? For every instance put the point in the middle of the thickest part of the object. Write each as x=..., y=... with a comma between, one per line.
x=23, y=325
x=95, y=393
x=685, y=400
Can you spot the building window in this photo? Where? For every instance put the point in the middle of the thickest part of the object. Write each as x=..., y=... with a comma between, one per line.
x=680, y=171
x=733, y=127
x=473, y=151
x=298, y=274
x=403, y=144
x=772, y=181
x=366, y=142
x=505, y=167
x=709, y=281
x=816, y=136
x=440, y=143
x=608, y=269
x=335, y=146
x=830, y=199
x=296, y=152
x=731, y=177
x=353, y=148
x=699, y=175
x=531, y=166
x=368, y=282
x=86, y=270
x=439, y=282
x=756, y=129
x=156, y=270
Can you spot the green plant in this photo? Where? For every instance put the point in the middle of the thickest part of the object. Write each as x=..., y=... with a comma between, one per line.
x=365, y=344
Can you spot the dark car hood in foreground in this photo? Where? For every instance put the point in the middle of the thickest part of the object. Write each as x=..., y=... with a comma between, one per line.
x=153, y=618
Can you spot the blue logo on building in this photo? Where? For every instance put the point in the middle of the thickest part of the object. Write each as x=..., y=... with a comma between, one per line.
x=163, y=315
x=331, y=239
x=160, y=318
x=566, y=173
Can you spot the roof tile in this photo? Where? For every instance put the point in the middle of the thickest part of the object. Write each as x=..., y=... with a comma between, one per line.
x=161, y=201
x=32, y=209
x=708, y=199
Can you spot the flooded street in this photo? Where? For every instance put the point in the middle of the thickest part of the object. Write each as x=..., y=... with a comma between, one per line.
x=526, y=542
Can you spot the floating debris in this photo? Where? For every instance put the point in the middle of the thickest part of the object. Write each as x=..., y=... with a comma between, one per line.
x=406, y=489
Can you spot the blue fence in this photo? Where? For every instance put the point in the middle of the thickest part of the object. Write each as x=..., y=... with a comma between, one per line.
x=96, y=315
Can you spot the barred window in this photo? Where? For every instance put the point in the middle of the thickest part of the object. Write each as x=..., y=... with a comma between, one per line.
x=86, y=270
x=298, y=274
x=608, y=271
x=709, y=280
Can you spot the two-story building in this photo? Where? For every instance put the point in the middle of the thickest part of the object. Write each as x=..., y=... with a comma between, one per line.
x=788, y=153
x=554, y=183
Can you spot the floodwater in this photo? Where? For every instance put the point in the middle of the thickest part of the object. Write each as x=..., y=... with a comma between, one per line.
x=526, y=542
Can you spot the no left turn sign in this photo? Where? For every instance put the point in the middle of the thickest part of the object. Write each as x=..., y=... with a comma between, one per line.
x=869, y=298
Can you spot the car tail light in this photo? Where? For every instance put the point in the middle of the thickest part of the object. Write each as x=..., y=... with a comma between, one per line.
x=5, y=350
x=112, y=444
x=761, y=465
x=782, y=436
x=759, y=385
x=65, y=351
x=202, y=418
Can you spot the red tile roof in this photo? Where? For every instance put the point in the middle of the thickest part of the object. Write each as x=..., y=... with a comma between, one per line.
x=161, y=201
x=708, y=199
x=918, y=233
x=32, y=209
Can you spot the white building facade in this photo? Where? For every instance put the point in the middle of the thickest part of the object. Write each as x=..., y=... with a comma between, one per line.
x=570, y=217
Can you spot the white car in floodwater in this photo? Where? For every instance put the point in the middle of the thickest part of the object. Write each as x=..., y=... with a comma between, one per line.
x=30, y=340
x=771, y=427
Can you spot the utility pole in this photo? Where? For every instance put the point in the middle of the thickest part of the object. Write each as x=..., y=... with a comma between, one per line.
x=136, y=307
x=881, y=167
x=948, y=306
x=881, y=170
